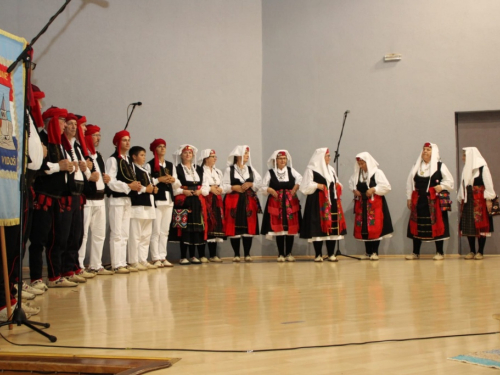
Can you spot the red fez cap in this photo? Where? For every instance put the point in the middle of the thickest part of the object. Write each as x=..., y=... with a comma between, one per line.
x=212, y=152
x=187, y=148
x=80, y=119
x=152, y=148
x=54, y=130
x=37, y=93
x=92, y=129
x=118, y=137
x=156, y=143
x=427, y=145
x=358, y=159
x=281, y=153
x=35, y=109
x=327, y=151
x=247, y=149
x=71, y=116
x=54, y=112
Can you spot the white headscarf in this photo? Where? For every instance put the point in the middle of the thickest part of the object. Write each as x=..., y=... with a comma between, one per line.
x=371, y=165
x=271, y=162
x=318, y=164
x=239, y=151
x=204, y=154
x=177, y=154
x=473, y=161
x=435, y=158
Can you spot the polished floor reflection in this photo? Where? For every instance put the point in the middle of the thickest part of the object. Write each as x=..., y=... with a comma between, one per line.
x=270, y=305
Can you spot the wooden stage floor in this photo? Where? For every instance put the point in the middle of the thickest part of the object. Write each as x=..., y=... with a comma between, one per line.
x=270, y=305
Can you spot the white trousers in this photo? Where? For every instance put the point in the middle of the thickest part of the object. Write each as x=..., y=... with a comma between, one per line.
x=140, y=236
x=94, y=218
x=119, y=223
x=159, y=236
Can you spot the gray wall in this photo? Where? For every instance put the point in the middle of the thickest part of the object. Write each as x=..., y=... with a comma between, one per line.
x=274, y=74
x=321, y=58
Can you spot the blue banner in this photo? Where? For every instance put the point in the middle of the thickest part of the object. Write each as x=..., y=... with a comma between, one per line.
x=11, y=120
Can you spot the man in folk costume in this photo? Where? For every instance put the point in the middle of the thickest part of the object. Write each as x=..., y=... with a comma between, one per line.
x=94, y=211
x=165, y=179
x=142, y=214
x=215, y=206
x=372, y=220
x=475, y=194
x=70, y=221
x=240, y=183
x=323, y=215
x=428, y=222
x=12, y=233
x=122, y=185
x=282, y=216
x=50, y=186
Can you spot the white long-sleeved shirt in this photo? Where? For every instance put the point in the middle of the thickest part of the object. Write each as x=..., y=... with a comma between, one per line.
x=115, y=185
x=35, y=149
x=267, y=178
x=205, y=188
x=446, y=183
x=382, y=188
x=175, y=185
x=244, y=175
x=308, y=186
x=489, y=191
x=213, y=176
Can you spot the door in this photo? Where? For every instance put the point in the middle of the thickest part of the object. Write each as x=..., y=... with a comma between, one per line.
x=481, y=130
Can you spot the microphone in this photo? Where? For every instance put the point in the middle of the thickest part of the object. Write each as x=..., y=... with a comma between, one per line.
x=136, y=103
x=346, y=112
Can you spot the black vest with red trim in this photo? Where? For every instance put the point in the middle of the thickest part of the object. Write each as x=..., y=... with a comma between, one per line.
x=162, y=187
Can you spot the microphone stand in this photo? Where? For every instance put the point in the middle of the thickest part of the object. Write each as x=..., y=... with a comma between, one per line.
x=19, y=316
x=129, y=116
x=336, y=161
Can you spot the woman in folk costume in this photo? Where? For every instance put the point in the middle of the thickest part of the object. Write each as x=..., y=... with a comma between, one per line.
x=323, y=216
x=282, y=216
x=428, y=177
x=188, y=224
x=240, y=183
x=475, y=194
x=372, y=220
x=215, y=208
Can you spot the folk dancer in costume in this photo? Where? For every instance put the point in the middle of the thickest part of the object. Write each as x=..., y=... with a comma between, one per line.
x=50, y=184
x=428, y=177
x=12, y=233
x=372, y=220
x=94, y=211
x=282, y=216
x=475, y=194
x=122, y=185
x=190, y=214
x=215, y=208
x=72, y=202
x=323, y=215
x=142, y=214
x=165, y=178
x=241, y=204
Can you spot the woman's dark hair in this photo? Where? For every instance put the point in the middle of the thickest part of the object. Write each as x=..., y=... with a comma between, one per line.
x=203, y=162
